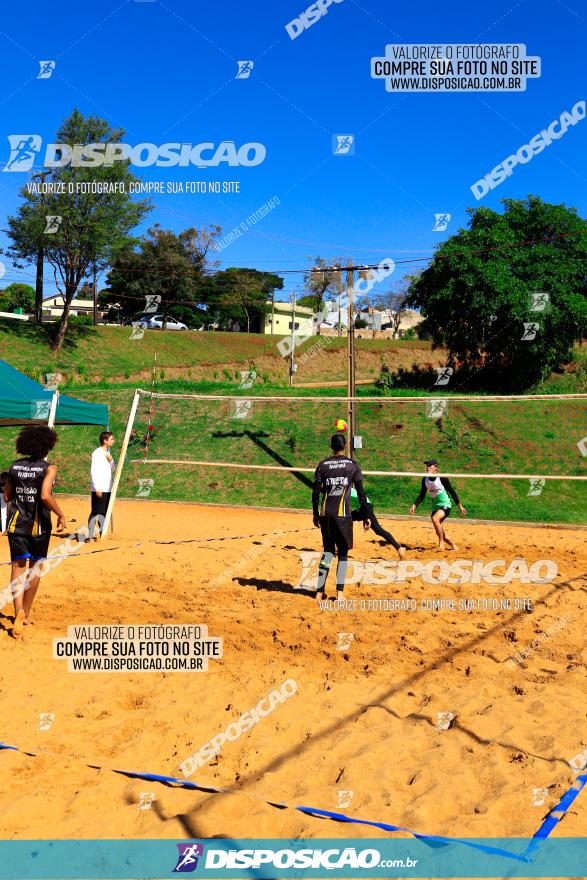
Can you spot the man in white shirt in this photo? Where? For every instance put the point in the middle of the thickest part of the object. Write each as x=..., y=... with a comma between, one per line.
x=101, y=476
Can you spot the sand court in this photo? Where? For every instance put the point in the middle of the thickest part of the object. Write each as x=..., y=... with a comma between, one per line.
x=456, y=722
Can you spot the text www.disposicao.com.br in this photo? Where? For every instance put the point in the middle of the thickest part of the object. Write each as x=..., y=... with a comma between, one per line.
x=134, y=664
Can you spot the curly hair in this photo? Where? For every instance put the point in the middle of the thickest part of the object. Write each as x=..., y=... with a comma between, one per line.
x=36, y=441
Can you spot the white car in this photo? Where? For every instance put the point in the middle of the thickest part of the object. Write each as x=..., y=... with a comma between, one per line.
x=155, y=322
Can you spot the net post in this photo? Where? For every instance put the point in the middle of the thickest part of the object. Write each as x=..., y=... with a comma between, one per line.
x=118, y=474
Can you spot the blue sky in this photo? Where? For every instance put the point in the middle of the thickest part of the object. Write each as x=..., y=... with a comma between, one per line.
x=165, y=71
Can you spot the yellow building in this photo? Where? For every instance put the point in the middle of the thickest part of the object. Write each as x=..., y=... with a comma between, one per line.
x=279, y=323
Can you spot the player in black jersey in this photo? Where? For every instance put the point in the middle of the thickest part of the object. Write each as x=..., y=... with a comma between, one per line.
x=334, y=478
x=29, y=493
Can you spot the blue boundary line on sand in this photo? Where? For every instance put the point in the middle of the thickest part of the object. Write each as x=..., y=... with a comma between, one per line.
x=543, y=832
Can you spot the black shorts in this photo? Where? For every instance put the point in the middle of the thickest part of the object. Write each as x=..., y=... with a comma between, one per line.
x=32, y=547
x=447, y=511
x=337, y=534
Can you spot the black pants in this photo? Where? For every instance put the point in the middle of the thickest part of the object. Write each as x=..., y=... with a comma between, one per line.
x=98, y=512
x=375, y=525
x=337, y=537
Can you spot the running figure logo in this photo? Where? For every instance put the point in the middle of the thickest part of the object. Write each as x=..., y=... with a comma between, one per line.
x=187, y=860
x=244, y=69
x=536, y=486
x=23, y=151
x=47, y=68
x=242, y=408
x=443, y=375
x=530, y=331
x=52, y=222
x=343, y=145
x=539, y=300
x=436, y=409
x=441, y=222
x=308, y=579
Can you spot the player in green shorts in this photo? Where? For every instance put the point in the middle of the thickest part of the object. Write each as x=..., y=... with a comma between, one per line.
x=370, y=521
x=441, y=491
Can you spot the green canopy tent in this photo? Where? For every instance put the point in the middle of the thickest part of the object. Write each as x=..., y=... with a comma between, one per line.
x=23, y=401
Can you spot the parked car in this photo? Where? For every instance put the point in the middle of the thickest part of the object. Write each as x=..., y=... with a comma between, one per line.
x=155, y=322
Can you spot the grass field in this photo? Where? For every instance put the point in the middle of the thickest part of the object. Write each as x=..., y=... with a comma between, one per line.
x=102, y=365
x=491, y=437
x=107, y=354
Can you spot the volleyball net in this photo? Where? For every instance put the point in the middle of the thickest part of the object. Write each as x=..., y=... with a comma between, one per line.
x=234, y=449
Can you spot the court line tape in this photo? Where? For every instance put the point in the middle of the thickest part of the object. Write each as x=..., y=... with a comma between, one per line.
x=543, y=832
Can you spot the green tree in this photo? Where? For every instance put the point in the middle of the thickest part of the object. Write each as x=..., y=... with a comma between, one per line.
x=240, y=294
x=17, y=296
x=167, y=265
x=93, y=227
x=323, y=282
x=482, y=295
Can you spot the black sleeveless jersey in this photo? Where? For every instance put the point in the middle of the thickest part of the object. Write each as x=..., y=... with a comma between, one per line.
x=27, y=515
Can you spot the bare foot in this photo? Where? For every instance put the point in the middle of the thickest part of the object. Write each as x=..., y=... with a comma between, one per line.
x=18, y=624
x=28, y=621
x=401, y=551
x=441, y=546
x=322, y=596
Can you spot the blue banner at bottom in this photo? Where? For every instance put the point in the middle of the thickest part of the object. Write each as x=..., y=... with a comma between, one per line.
x=277, y=858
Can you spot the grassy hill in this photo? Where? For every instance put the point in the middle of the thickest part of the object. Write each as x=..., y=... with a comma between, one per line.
x=104, y=353
x=489, y=437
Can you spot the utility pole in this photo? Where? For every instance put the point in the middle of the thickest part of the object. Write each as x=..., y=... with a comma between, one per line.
x=38, y=316
x=95, y=297
x=273, y=312
x=292, y=363
x=350, y=280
